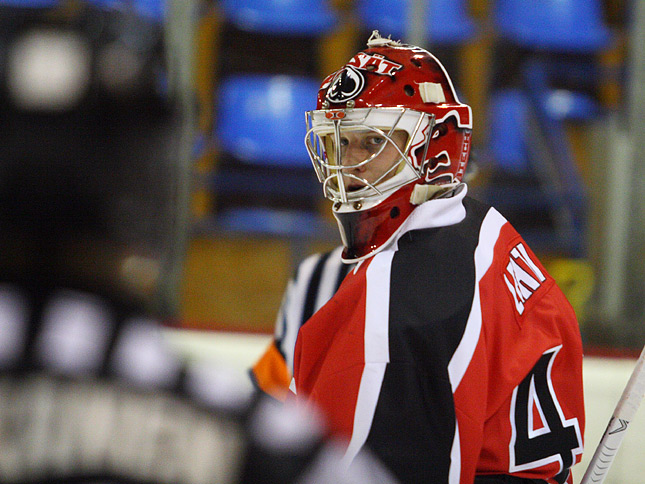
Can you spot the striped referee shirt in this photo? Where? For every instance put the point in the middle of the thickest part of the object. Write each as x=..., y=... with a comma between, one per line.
x=315, y=281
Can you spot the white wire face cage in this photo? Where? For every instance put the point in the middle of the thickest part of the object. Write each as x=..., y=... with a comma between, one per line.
x=326, y=129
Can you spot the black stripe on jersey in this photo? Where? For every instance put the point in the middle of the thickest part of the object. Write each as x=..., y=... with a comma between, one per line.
x=501, y=479
x=312, y=289
x=431, y=292
x=279, y=341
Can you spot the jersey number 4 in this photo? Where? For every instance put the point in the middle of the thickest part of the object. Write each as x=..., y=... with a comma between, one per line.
x=540, y=433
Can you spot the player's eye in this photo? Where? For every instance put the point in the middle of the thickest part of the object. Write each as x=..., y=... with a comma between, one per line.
x=374, y=143
x=375, y=140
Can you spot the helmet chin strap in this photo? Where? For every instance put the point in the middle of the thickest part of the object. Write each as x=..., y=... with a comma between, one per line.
x=423, y=193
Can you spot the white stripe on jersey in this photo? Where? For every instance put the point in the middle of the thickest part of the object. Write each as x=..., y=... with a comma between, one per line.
x=489, y=232
x=377, y=350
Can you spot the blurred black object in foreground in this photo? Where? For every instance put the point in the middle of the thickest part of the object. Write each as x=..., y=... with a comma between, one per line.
x=88, y=149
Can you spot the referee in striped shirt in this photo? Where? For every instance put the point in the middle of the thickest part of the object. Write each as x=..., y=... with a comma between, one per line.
x=316, y=280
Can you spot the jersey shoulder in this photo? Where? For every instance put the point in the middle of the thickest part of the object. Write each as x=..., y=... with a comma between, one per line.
x=433, y=277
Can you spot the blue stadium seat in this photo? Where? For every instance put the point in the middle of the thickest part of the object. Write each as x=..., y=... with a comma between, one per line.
x=154, y=10
x=271, y=222
x=560, y=25
x=557, y=42
x=29, y=3
x=532, y=169
x=508, y=118
x=448, y=20
x=260, y=118
x=260, y=130
x=289, y=17
x=151, y=9
x=570, y=105
x=508, y=122
x=106, y=4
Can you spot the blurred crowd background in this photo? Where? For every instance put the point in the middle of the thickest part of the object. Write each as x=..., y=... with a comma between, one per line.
x=202, y=111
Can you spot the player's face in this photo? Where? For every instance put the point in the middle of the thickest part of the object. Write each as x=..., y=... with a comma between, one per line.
x=359, y=146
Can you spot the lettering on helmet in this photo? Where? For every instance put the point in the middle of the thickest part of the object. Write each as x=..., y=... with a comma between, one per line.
x=463, y=157
x=346, y=85
x=375, y=63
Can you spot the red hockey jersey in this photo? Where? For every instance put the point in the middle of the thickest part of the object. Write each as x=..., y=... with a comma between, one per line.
x=450, y=354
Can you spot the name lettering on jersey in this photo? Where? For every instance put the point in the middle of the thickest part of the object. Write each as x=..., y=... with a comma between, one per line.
x=55, y=428
x=374, y=63
x=522, y=276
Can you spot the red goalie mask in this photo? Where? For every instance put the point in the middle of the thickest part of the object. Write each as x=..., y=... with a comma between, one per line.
x=387, y=132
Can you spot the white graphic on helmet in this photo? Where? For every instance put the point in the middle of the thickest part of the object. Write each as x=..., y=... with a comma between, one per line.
x=445, y=163
x=347, y=84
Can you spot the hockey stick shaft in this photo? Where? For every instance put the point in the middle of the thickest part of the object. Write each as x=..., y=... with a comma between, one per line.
x=617, y=427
